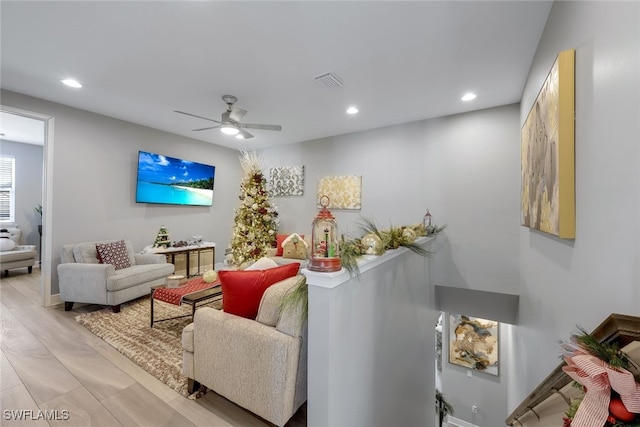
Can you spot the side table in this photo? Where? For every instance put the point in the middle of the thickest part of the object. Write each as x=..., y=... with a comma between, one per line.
x=171, y=253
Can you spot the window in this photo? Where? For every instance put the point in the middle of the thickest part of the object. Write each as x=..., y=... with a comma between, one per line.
x=7, y=189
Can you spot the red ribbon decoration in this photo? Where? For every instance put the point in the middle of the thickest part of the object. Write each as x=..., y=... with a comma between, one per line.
x=599, y=378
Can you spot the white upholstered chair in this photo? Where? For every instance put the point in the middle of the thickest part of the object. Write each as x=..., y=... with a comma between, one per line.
x=259, y=364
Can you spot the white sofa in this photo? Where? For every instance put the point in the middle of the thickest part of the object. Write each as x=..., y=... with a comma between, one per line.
x=259, y=364
x=84, y=279
x=20, y=256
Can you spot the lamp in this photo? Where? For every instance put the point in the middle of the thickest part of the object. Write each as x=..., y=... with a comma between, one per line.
x=325, y=252
x=229, y=129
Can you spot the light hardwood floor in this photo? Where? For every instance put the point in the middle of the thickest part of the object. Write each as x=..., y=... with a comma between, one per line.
x=51, y=363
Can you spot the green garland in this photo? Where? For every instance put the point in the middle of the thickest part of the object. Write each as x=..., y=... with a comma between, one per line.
x=392, y=238
x=351, y=250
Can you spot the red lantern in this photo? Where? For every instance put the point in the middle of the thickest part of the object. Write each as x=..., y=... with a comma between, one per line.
x=325, y=252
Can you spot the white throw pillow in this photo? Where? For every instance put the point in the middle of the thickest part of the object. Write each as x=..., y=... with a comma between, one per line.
x=262, y=264
x=7, y=245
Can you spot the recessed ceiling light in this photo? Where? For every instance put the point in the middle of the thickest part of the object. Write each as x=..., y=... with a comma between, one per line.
x=352, y=110
x=468, y=96
x=71, y=83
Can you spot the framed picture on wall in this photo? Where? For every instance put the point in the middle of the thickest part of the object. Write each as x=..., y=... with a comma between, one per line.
x=547, y=154
x=473, y=343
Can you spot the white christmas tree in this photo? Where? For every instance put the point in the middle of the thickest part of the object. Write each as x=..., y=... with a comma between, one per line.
x=255, y=226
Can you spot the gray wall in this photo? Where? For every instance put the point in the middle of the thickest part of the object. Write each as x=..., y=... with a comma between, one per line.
x=94, y=175
x=466, y=170
x=565, y=283
x=28, y=170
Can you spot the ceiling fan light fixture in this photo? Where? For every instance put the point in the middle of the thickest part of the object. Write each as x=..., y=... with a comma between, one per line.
x=229, y=129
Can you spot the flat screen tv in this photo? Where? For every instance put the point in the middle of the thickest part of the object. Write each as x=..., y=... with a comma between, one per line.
x=172, y=181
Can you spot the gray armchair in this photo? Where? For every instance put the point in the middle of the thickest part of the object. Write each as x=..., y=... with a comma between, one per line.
x=20, y=256
x=83, y=279
x=259, y=364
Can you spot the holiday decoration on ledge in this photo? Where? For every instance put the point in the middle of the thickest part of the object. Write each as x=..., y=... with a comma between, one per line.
x=294, y=247
x=254, y=227
x=325, y=249
x=428, y=226
x=377, y=242
x=162, y=238
x=427, y=220
x=609, y=380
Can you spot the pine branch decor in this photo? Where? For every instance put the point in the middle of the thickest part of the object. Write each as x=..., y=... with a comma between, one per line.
x=609, y=379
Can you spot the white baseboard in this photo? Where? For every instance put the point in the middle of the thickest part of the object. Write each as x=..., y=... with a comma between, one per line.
x=54, y=300
x=455, y=422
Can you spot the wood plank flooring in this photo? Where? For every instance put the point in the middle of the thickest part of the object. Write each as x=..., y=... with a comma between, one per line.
x=51, y=365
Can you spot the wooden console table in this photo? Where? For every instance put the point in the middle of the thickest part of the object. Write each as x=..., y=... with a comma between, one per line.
x=187, y=250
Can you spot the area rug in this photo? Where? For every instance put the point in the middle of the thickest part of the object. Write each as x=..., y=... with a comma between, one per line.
x=157, y=350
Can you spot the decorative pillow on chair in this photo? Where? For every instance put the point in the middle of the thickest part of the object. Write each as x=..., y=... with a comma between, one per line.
x=114, y=253
x=263, y=263
x=7, y=244
x=242, y=289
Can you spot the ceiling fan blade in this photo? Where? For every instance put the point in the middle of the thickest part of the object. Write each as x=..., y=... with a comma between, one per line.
x=193, y=115
x=243, y=134
x=237, y=113
x=207, y=128
x=257, y=126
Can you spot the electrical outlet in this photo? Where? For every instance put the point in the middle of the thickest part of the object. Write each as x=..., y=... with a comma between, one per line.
x=474, y=409
x=469, y=374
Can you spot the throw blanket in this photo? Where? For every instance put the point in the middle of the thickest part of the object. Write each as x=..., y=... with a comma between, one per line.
x=174, y=295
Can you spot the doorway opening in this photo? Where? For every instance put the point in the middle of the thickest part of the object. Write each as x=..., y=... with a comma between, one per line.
x=33, y=191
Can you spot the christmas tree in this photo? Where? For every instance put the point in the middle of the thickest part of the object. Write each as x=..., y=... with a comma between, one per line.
x=255, y=226
x=162, y=238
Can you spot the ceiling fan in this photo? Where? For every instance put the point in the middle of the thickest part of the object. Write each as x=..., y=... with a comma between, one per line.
x=230, y=121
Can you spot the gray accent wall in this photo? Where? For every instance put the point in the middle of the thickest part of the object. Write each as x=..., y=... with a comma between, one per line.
x=564, y=283
x=94, y=182
x=28, y=174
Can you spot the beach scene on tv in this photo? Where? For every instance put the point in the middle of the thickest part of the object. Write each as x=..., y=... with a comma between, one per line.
x=168, y=180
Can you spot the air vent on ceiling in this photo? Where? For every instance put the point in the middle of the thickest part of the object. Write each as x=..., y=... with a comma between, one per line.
x=329, y=80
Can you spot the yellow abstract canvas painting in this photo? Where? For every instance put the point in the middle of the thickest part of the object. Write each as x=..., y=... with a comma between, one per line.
x=547, y=154
x=344, y=192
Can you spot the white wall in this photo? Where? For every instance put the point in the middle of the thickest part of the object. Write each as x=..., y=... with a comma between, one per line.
x=94, y=176
x=566, y=283
x=28, y=172
x=372, y=344
x=466, y=170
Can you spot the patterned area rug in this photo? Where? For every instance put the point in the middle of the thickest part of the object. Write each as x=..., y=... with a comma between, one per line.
x=157, y=350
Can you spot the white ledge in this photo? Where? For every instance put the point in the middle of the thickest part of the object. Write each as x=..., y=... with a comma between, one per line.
x=366, y=263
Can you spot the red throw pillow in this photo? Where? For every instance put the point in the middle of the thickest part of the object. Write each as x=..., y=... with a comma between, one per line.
x=114, y=253
x=242, y=289
x=281, y=238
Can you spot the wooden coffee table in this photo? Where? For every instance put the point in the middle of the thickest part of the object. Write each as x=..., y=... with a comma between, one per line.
x=202, y=297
